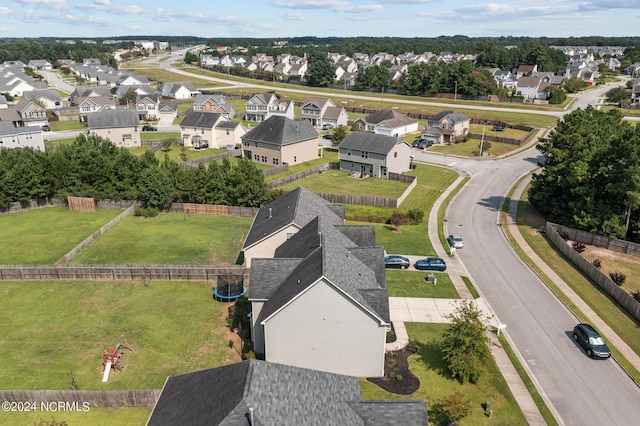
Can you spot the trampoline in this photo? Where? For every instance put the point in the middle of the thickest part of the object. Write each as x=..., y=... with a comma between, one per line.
x=229, y=291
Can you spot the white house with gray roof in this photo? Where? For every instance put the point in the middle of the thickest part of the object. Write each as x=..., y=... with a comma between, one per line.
x=374, y=155
x=50, y=99
x=322, y=301
x=255, y=392
x=12, y=137
x=122, y=127
x=279, y=140
x=178, y=90
x=212, y=128
x=276, y=222
x=387, y=122
x=446, y=126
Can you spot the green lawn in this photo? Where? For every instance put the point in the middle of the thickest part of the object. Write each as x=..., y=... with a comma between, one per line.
x=51, y=329
x=435, y=383
x=413, y=284
x=339, y=182
x=43, y=236
x=94, y=417
x=159, y=136
x=170, y=238
x=59, y=126
x=328, y=155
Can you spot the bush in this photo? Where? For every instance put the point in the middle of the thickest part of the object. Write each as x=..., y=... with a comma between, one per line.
x=579, y=246
x=618, y=277
x=146, y=212
x=397, y=219
x=455, y=407
x=415, y=216
x=597, y=263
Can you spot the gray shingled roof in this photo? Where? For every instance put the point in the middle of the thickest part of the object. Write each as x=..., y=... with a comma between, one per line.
x=113, y=119
x=391, y=117
x=279, y=395
x=442, y=114
x=8, y=129
x=297, y=207
x=200, y=119
x=326, y=253
x=280, y=130
x=370, y=142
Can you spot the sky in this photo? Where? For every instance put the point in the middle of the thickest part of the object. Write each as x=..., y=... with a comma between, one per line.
x=321, y=18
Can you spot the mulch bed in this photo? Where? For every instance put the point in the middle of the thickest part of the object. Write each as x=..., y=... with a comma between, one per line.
x=398, y=378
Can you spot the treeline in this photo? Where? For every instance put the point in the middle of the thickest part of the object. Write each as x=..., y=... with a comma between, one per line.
x=591, y=174
x=27, y=49
x=95, y=167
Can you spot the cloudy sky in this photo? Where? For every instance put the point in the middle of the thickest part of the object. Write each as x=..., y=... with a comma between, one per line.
x=343, y=18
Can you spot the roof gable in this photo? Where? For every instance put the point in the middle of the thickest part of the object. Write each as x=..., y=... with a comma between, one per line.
x=370, y=142
x=201, y=119
x=113, y=119
x=280, y=130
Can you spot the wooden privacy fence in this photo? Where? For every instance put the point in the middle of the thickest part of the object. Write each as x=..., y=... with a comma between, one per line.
x=628, y=303
x=210, y=273
x=218, y=157
x=598, y=240
x=297, y=176
x=213, y=209
x=68, y=400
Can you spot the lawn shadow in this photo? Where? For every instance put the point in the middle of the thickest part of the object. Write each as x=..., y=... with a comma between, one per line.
x=431, y=356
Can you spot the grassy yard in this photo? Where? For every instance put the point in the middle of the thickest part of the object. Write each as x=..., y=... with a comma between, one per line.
x=435, y=383
x=340, y=182
x=42, y=236
x=169, y=238
x=530, y=222
x=159, y=136
x=413, y=284
x=94, y=417
x=329, y=155
x=51, y=329
x=59, y=126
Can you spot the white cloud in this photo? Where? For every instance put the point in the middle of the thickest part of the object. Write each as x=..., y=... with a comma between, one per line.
x=294, y=16
x=51, y=4
x=102, y=2
x=5, y=11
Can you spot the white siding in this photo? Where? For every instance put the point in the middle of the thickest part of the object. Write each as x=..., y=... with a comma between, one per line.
x=267, y=247
x=324, y=330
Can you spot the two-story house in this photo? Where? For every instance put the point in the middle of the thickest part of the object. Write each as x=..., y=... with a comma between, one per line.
x=12, y=137
x=446, y=127
x=265, y=105
x=374, y=155
x=148, y=106
x=122, y=127
x=211, y=128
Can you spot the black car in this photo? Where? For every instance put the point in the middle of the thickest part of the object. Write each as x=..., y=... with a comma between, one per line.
x=591, y=341
x=416, y=142
x=147, y=128
x=46, y=128
x=395, y=261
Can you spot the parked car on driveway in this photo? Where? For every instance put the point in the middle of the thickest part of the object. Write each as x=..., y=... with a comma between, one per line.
x=431, y=264
x=147, y=128
x=456, y=241
x=416, y=142
x=591, y=341
x=395, y=261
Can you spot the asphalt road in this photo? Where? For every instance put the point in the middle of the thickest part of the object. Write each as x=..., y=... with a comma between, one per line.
x=579, y=390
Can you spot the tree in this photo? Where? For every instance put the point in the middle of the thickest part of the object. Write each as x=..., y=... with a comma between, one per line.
x=617, y=95
x=155, y=188
x=455, y=407
x=375, y=77
x=574, y=84
x=556, y=95
x=465, y=344
x=190, y=58
x=338, y=134
x=320, y=72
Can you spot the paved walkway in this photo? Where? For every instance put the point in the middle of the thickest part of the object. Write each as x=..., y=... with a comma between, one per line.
x=407, y=309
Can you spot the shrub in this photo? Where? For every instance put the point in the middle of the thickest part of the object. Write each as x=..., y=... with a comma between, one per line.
x=597, y=263
x=579, y=246
x=146, y=212
x=397, y=219
x=415, y=216
x=399, y=377
x=455, y=407
x=618, y=277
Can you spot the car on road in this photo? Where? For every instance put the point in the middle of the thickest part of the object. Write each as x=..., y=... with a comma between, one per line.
x=148, y=128
x=455, y=240
x=591, y=341
x=395, y=261
x=431, y=264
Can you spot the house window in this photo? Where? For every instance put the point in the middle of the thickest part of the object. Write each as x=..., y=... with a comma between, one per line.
x=256, y=157
x=295, y=158
x=276, y=161
x=255, y=144
x=264, y=158
x=364, y=154
x=395, y=155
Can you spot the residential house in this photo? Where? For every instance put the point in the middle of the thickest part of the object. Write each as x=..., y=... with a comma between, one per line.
x=49, y=99
x=446, y=127
x=297, y=70
x=16, y=84
x=374, y=155
x=214, y=103
x=148, y=106
x=132, y=80
x=313, y=109
x=525, y=70
x=335, y=116
x=276, y=222
x=31, y=114
x=178, y=90
x=92, y=104
x=532, y=88
x=141, y=89
x=635, y=92
x=168, y=109
x=328, y=294
x=255, y=392
x=40, y=64
x=88, y=91
x=20, y=137
x=212, y=128
x=387, y=122
x=265, y=105
x=119, y=126
x=279, y=140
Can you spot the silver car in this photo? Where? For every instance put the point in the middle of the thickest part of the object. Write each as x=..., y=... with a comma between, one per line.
x=456, y=241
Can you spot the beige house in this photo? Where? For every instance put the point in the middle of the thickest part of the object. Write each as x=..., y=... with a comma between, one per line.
x=322, y=112
x=122, y=127
x=148, y=106
x=374, y=155
x=20, y=137
x=386, y=122
x=211, y=128
x=279, y=140
x=328, y=294
x=280, y=219
x=446, y=127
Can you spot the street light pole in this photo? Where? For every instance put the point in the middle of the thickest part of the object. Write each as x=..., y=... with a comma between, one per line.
x=482, y=140
x=455, y=91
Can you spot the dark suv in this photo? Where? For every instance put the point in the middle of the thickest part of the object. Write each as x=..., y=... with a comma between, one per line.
x=591, y=341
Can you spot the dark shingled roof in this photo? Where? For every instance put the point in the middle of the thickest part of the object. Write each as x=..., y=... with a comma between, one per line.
x=326, y=252
x=278, y=395
x=280, y=130
x=205, y=120
x=393, y=118
x=113, y=118
x=442, y=114
x=297, y=207
x=370, y=142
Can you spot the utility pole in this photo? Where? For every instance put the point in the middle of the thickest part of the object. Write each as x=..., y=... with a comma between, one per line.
x=482, y=140
x=455, y=91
